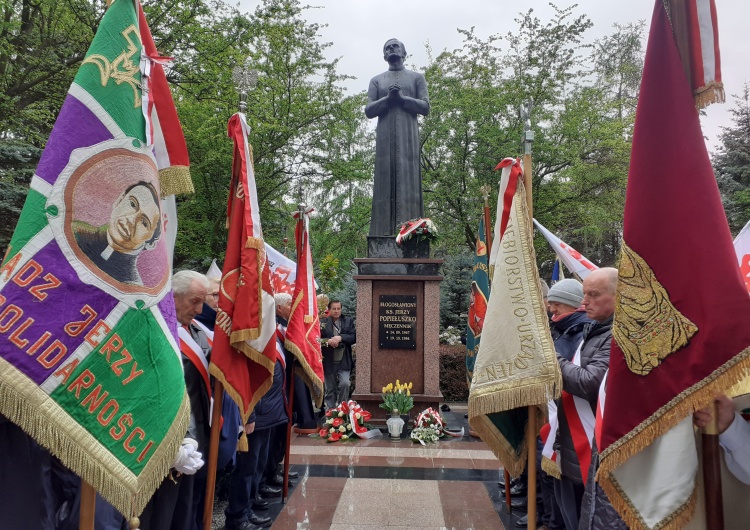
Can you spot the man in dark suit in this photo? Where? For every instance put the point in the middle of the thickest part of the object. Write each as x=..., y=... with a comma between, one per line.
x=337, y=353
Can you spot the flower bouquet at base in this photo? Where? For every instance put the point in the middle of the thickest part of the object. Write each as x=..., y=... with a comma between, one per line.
x=430, y=427
x=397, y=398
x=347, y=421
x=423, y=228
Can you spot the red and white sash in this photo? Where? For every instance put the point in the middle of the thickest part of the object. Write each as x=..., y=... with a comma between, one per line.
x=195, y=354
x=600, y=411
x=581, y=421
x=550, y=457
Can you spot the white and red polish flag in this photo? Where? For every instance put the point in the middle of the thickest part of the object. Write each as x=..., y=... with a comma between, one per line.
x=573, y=260
x=742, y=248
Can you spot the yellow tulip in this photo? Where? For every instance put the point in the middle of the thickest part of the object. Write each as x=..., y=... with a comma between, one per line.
x=410, y=386
x=383, y=390
x=408, y=392
x=396, y=382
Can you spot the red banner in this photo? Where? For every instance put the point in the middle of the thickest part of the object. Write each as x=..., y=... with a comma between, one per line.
x=680, y=333
x=303, y=332
x=244, y=349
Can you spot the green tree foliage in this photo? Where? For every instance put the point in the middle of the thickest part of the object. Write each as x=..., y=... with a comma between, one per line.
x=17, y=162
x=41, y=44
x=296, y=103
x=455, y=289
x=342, y=192
x=732, y=163
x=583, y=107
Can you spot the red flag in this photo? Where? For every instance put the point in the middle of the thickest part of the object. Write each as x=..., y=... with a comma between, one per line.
x=303, y=332
x=244, y=349
x=163, y=129
x=680, y=331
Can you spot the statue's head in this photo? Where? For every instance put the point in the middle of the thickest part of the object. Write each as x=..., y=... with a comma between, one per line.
x=394, y=47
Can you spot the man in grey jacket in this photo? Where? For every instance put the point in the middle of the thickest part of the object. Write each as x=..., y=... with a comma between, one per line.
x=581, y=378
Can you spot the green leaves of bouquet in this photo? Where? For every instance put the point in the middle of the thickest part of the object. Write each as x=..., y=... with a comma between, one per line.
x=397, y=398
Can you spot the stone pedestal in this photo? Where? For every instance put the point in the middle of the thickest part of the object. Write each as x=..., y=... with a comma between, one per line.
x=398, y=323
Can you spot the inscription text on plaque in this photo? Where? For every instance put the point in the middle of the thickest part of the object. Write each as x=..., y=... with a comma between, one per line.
x=397, y=321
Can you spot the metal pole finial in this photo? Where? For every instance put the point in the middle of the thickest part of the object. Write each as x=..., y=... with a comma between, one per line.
x=245, y=79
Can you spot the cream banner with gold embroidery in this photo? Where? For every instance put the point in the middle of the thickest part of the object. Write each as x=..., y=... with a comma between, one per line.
x=516, y=364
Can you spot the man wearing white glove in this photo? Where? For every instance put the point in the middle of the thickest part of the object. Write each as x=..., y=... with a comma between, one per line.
x=189, y=459
x=175, y=505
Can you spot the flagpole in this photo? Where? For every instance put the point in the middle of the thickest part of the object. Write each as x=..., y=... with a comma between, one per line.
x=288, y=448
x=531, y=430
x=299, y=238
x=87, y=506
x=712, y=473
x=213, y=455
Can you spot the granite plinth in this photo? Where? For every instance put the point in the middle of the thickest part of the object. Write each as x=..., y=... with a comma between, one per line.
x=398, y=267
x=386, y=247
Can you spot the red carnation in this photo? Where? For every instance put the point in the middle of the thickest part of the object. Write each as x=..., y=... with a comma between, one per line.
x=335, y=437
x=337, y=422
x=323, y=433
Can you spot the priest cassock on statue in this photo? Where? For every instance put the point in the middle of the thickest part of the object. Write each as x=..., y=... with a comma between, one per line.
x=396, y=97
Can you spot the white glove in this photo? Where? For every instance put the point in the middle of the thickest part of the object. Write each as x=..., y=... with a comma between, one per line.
x=189, y=459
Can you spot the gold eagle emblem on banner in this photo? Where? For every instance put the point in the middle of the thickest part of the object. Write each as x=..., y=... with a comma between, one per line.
x=647, y=327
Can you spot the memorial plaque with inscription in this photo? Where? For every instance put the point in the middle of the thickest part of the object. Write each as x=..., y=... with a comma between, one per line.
x=397, y=321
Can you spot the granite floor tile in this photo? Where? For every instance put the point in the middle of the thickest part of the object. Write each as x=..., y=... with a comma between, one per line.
x=457, y=463
x=325, y=483
x=314, y=514
x=313, y=496
x=472, y=520
x=363, y=512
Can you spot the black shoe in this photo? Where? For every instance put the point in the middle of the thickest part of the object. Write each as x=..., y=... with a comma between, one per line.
x=244, y=525
x=518, y=504
x=260, y=520
x=269, y=491
x=523, y=522
x=278, y=481
x=260, y=505
x=293, y=474
x=445, y=408
x=516, y=490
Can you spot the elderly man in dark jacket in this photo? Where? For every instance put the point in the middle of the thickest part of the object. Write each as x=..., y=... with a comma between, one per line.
x=337, y=353
x=582, y=379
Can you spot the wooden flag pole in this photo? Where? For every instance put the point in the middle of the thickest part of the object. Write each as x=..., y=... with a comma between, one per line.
x=213, y=455
x=532, y=428
x=710, y=452
x=87, y=506
x=288, y=448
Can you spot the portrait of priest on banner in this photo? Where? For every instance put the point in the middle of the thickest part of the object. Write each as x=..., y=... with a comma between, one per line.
x=117, y=224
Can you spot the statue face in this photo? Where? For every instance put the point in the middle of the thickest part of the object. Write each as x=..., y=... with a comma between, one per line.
x=135, y=217
x=393, y=48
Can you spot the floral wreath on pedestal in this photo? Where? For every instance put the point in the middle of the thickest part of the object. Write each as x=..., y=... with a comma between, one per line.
x=430, y=427
x=423, y=227
x=347, y=421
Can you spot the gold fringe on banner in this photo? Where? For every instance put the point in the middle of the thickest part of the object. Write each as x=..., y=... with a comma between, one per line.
x=303, y=369
x=175, y=180
x=684, y=404
x=29, y=407
x=245, y=411
x=713, y=92
x=551, y=468
x=242, y=445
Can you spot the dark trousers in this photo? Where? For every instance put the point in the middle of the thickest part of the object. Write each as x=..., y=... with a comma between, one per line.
x=26, y=496
x=246, y=477
x=276, y=451
x=569, y=496
x=171, y=507
x=551, y=515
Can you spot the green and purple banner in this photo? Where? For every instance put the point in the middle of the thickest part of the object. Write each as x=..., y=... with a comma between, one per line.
x=89, y=362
